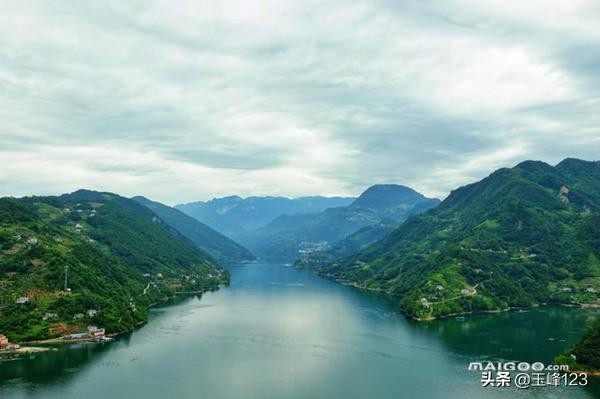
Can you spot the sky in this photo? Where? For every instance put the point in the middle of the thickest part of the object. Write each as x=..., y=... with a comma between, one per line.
x=190, y=100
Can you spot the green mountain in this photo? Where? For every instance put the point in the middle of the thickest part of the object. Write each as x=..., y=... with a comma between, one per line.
x=520, y=237
x=120, y=258
x=237, y=217
x=585, y=354
x=289, y=237
x=349, y=245
x=388, y=196
x=210, y=241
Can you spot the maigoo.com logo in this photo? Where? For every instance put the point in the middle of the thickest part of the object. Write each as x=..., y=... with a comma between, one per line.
x=525, y=375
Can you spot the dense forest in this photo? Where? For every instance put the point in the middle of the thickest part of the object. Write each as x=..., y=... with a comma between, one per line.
x=221, y=248
x=520, y=237
x=90, y=258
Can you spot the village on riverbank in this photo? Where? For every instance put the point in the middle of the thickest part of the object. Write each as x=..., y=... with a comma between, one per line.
x=93, y=334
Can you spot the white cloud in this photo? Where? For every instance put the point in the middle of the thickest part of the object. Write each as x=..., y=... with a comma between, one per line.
x=193, y=100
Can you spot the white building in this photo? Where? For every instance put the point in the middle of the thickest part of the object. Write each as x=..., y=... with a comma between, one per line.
x=50, y=315
x=22, y=300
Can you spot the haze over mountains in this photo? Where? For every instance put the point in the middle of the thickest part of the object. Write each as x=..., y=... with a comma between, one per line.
x=236, y=217
x=289, y=236
x=281, y=228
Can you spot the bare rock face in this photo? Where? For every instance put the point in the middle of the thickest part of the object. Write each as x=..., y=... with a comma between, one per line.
x=564, y=194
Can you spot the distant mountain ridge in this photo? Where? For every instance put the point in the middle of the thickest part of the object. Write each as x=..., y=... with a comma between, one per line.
x=236, y=217
x=291, y=236
x=207, y=239
x=522, y=236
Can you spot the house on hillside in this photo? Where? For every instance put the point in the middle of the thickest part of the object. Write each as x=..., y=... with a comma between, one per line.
x=3, y=341
x=92, y=312
x=50, y=315
x=22, y=300
x=94, y=331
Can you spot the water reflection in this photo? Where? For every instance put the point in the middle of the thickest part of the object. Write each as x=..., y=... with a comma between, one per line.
x=279, y=332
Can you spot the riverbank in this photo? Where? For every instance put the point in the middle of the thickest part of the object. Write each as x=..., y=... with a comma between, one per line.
x=457, y=314
x=112, y=336
x=25, y=350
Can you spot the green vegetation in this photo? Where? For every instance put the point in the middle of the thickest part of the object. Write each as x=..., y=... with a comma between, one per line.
x=348, y=246
x=520, y=237
x=210, y=241
x=305, y=235
x=585, y=354
x=120, y=256
x=237, y=218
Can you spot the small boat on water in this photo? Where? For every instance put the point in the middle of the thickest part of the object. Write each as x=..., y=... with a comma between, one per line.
x=461, y=318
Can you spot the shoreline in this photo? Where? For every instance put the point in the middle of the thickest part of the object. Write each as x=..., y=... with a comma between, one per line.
x=61, y=341
x=431, y=318
x=25, y=350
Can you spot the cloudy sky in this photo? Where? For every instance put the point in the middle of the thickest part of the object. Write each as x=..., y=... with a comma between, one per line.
x=188, y=100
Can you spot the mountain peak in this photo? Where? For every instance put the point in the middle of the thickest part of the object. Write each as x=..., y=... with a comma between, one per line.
x=533, y=166
x=381, y=196
x=577, y=165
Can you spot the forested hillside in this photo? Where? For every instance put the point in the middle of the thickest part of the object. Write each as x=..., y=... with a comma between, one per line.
x=118, y=258
x=207, y=239
x=520, y=237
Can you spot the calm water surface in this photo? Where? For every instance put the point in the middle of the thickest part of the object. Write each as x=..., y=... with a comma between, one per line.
x=277, y=332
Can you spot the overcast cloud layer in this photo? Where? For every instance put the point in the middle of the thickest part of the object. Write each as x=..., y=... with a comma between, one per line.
x=188, y=100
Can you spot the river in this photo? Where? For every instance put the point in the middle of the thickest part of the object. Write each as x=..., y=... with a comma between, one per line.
x=277, y=332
